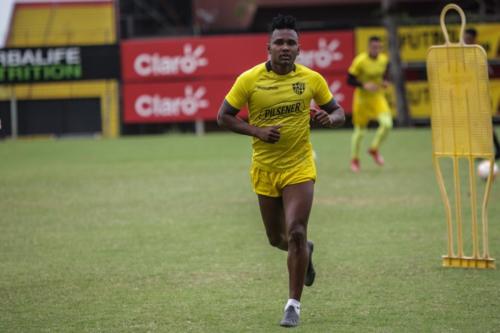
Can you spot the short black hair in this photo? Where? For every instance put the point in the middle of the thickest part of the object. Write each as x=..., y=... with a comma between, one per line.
x=472, y=32
x=283, y=22
x=374, y=39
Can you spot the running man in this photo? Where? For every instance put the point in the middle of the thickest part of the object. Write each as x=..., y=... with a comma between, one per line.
x=278, y=94
x=368, y=74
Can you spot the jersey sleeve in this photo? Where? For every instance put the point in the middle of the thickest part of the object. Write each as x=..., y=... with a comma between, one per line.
x=355, y=68
x=322, y=93
x=238, y=95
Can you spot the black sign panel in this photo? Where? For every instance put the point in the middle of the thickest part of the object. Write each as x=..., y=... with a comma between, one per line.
x=59, y=63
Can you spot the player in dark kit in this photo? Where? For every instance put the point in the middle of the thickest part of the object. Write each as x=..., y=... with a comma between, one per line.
x=278, y=94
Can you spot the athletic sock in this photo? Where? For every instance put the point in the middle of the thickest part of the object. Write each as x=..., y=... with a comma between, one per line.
x=357, y=137
x=380, y=135
x=385, y=125
x=294, y=303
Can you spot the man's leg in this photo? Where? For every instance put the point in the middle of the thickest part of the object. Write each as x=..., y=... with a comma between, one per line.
x=356, y=139
x=273, y=216
x=297, y=202
x=360, y=122
x=384, y=126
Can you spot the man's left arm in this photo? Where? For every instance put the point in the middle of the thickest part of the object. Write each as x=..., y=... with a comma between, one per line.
x=330, y=114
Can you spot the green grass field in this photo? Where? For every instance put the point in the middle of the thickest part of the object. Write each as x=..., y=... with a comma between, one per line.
x=163, y=234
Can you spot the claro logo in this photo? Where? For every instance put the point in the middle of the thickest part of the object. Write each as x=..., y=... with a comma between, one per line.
x=323, y=56
x=157, y=65
x=188, y=105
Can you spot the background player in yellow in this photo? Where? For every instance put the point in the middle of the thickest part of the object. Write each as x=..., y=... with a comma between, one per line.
x=278, y=94
x=368, y=73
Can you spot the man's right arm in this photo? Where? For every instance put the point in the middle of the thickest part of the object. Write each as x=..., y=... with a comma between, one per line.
x=227, y=118
x=353, y=81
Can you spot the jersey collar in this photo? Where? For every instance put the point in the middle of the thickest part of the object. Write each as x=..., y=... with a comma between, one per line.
x=270, y=68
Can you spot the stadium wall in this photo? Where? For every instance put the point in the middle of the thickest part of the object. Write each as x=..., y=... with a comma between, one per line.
x=64, y=24
x=106, y=91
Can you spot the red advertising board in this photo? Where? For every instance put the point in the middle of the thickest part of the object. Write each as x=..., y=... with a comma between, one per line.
x=194, y=100
x=186, y=79
x=226, y=56
x=328, y=51
x=173, y=102
x=181, y=58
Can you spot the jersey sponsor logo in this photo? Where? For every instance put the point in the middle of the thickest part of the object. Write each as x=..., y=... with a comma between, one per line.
x=160, y=65
x=266, y=88
x=281, y=110
x=299, y=87
x=323, y=56
x=156, y=105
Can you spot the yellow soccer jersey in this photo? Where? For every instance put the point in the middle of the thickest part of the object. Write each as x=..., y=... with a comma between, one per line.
x=275, y=99
x=367, y=69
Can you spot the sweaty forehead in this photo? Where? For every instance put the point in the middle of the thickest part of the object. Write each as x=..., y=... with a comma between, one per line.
x=285, y=34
